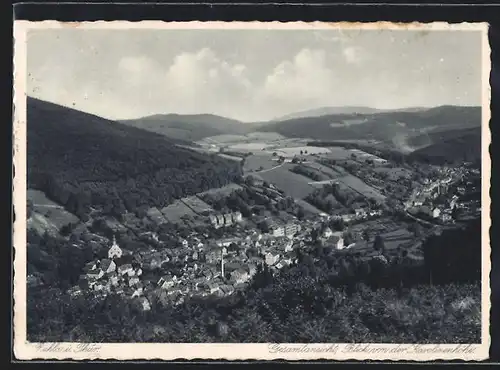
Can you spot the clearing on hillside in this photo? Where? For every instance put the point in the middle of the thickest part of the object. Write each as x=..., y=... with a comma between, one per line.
x=54, y=213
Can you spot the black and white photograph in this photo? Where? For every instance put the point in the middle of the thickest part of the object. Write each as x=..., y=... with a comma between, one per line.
x=298, y=190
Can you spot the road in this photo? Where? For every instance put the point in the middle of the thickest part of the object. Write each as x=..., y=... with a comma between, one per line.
x=48, y=206
x=266, y=170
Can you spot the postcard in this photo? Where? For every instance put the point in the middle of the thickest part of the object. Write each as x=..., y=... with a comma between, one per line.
x=251, y=191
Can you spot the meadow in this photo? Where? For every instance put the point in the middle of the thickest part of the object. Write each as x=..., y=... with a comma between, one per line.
x=257, y=161
x=359, y=186
x=295, y=151
x=175, y=211
x=292, y=184
x=53, y=213
x=196, y=204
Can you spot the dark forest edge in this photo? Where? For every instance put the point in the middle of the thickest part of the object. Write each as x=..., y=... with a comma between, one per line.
x=336, y=299
x=142, y=169
x=458, y=150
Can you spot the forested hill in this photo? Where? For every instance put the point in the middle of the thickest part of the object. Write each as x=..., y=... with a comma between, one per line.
x=189, y=127
x=80, y=159
x=378, y=126
x=452, y=147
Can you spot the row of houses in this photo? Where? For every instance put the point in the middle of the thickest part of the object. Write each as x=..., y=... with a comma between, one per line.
x=225, y=219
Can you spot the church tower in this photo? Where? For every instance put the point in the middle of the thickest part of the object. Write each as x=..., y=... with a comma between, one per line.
x=115, y=250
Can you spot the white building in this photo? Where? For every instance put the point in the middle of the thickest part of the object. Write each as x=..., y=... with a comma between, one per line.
x=115, y=250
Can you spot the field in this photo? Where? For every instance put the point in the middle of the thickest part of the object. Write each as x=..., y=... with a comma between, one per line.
x=196, y=204
x=222, y=139
x=293, y=151
x=175, y=211
x=292, y=184
x=394, y=173
x=53, y=212
x=156, y=216
x=265, y=136
x=338, y=153
x=330, y=172
x=255, y=162
x=359, y=186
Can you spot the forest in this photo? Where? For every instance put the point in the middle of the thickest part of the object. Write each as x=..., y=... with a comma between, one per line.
x=332, y=299
x=80, y=160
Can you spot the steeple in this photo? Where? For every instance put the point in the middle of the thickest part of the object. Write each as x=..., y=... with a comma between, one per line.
x=222, y=262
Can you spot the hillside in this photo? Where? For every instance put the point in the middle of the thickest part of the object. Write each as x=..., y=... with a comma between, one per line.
x=188, y=127
x=451, y=147
x=324, y=111
x=79, y=160
x=379, y=126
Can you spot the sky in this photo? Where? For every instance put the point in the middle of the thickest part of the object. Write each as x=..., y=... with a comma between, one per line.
x=251, y=75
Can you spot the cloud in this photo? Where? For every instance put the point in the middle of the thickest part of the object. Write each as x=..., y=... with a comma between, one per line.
x=353, y=55
x=306, y=77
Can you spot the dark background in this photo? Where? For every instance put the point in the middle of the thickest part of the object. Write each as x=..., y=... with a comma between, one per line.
x=295, y=11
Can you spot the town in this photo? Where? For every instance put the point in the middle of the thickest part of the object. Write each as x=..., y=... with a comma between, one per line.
x=224, y=242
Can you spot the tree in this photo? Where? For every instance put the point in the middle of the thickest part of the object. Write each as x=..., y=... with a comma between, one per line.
x=416, y=229
x=250, y=181
x=379, y=244
x=366, y=235
x=275, y=154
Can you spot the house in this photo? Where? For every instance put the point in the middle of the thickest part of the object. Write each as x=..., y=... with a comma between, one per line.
x=134, y=280
x=327, y=233
x=240, y=276
x=108, y=266
x=113, y=278
x=92, y=265
x=237, y=217
x=227, y=289
x=291, y=229
x=184, y=243
x=213, y=220
x=220, y=220
x=271, y=258
x=289, y=246
x=431, y=212
x=227, y=242
x=207, y=274
x=126, y=269
x=251, y=269
x=360, y=212
x=144, y=303
x=228, y=220
x=337, y=241
x=167, y=282
x=139, y=290
x=95, y=274
x=115, y=251
x=277, y=231
x=75, y=291
x=213, y=287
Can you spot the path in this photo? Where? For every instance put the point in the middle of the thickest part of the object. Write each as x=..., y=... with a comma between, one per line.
x=269, y=169
x=48, y=206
